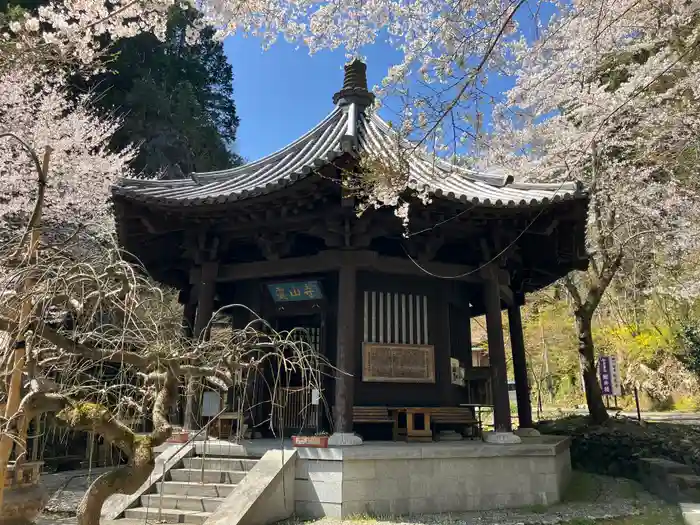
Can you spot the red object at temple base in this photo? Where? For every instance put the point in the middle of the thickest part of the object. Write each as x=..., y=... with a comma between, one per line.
x=179, y=437
x=310, y=441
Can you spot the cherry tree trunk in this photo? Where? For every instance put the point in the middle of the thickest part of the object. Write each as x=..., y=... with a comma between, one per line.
x=586, y=350
x=122, y=480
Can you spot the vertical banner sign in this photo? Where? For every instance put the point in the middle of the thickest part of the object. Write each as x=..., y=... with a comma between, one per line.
x=604, y=372
x=615, y=376
x=609, y=376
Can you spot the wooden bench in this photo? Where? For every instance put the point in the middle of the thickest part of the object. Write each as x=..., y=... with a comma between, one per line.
x=456, y=416
x=371, y=415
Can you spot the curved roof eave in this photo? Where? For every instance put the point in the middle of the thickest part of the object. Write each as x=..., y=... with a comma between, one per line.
x=345, y=130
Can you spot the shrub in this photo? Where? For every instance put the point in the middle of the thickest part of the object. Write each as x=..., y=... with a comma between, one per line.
x=613, y=448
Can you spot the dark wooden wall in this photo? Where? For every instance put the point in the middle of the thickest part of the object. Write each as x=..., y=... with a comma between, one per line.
x=440, y=393
x=448, y=332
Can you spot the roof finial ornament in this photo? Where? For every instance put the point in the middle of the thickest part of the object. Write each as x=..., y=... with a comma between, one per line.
x=354, y=86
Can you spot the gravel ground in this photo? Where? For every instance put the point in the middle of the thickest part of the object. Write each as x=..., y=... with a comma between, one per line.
x=66, y=489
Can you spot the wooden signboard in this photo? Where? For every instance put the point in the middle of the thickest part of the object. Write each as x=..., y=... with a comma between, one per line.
x=392, y=363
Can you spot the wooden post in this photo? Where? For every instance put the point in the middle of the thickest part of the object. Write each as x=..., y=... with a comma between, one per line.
x=205, y=300
x=497, y=353
x=345, y=361
x=14, y=393
x=188, y=299
x=522, y=389
x=205, y=309
x=188, y=318
x=36, y=442
x=444, y=365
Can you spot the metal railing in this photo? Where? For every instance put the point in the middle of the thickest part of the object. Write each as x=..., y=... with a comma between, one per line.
x=189, y=441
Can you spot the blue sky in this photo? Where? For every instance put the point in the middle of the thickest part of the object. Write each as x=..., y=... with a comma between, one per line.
x=283, y=92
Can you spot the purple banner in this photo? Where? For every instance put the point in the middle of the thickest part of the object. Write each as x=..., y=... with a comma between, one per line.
x=609, y=375
x=605, y=375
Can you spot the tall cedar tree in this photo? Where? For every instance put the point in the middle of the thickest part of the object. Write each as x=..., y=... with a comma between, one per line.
x=177, y=98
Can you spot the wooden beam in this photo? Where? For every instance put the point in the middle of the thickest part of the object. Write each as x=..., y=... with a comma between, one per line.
x=205, y=307
x=205, y=301
x=507, y=295
x=333, y=260
x=188, y=318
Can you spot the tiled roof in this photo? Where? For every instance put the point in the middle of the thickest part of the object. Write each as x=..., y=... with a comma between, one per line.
x=349, y=129
x=455, y=182
x=282, y=168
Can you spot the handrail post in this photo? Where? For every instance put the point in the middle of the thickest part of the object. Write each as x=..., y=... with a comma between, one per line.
x=204, y=451
x=190, y=440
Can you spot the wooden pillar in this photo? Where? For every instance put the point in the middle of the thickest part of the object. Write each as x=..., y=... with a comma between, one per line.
x=205, y=299
x=188, y=318
x=189, y=301
x=517, y=344
x=444, y=365
x=497, y=353
x=205, y=309
x=345, y=360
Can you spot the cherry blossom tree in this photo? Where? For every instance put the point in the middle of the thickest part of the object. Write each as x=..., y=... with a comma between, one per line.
x=605, y=91
x=37, y=112
x=608, y=94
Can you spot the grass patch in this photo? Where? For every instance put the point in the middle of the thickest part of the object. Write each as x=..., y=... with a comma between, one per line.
x=537, y=509
x=585, y=487
x=367, y=518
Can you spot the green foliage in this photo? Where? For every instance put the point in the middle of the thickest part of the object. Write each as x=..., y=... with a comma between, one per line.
x=551, y=347
x=641, y=330
x=176, y=98
x=613, y=449
x=689, y=336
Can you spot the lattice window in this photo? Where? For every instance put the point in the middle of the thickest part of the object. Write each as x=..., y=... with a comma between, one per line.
x=396, y=318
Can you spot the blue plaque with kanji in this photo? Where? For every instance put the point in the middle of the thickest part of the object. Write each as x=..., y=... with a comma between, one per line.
x=297, y=291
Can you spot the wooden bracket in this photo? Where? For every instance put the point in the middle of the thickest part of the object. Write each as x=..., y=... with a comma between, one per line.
x=275, y=245
x=425, y=248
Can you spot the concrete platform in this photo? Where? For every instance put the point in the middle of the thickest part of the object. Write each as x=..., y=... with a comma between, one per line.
x=691, y=513
x=397, y=478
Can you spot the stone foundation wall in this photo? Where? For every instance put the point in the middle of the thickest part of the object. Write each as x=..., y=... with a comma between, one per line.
x=435, y=478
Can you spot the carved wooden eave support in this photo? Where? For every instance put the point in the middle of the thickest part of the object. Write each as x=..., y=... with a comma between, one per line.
x=424, y=248
x=274, y=246
x=347, y=233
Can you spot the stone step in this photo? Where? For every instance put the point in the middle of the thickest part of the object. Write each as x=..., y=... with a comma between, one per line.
x=671, y=481
x=166, y=515
x=196, y=475
x=170, y=501
x=203, y=490
x=686, y=487
x=218, y=463
x=661, y=467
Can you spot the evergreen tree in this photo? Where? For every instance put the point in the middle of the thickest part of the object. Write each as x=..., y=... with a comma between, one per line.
x=177, y=100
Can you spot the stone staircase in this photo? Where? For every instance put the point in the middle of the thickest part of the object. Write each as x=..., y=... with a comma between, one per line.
x=672, y=481
x=192, y=490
